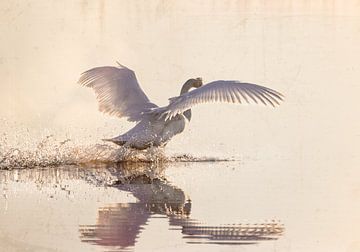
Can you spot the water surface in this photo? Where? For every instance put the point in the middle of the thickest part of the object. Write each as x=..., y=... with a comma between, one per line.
x=190, y=206
x=120, y=207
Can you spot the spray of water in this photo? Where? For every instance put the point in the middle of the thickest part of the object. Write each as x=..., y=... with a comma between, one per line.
x=22, y=149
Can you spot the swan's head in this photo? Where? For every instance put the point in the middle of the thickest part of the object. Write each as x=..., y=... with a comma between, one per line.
x=196, y=83
x=191, y=83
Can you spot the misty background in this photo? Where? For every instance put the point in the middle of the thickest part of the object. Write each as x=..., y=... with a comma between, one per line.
x=308, y=51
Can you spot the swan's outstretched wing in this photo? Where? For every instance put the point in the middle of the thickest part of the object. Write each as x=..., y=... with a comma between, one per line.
x=220, y=91
x=117, y=91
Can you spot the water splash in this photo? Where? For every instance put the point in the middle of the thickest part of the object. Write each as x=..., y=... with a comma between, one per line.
x=54, y=151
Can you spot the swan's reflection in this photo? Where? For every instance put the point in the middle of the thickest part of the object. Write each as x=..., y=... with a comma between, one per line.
x=119, y=225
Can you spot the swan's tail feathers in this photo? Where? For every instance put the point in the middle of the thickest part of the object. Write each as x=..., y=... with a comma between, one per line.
x=115, y=140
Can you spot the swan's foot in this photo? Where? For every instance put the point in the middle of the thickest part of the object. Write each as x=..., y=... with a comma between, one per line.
x=115, y=141
x=126, y=144
x=135, y=146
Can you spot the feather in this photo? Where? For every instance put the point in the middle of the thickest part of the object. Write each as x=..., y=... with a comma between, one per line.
x=117, y=91
x=221, y=91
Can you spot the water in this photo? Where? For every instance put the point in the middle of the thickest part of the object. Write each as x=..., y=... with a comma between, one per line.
x=240, y=178
x=126, y=206
x=184, y=206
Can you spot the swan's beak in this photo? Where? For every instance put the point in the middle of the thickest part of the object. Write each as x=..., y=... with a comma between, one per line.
x=198, y=82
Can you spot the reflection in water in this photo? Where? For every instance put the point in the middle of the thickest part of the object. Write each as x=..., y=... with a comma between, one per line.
x=119, y=225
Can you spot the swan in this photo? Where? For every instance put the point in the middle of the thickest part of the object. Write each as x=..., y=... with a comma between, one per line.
x=119, y=94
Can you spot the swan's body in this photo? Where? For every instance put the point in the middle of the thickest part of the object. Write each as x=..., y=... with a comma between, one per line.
x=119, y=93
x=151, y=132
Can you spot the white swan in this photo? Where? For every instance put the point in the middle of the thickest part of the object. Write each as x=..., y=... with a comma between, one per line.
x=119, y=93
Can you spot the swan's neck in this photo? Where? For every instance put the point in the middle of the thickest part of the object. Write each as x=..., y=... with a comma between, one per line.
x=185, y=88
